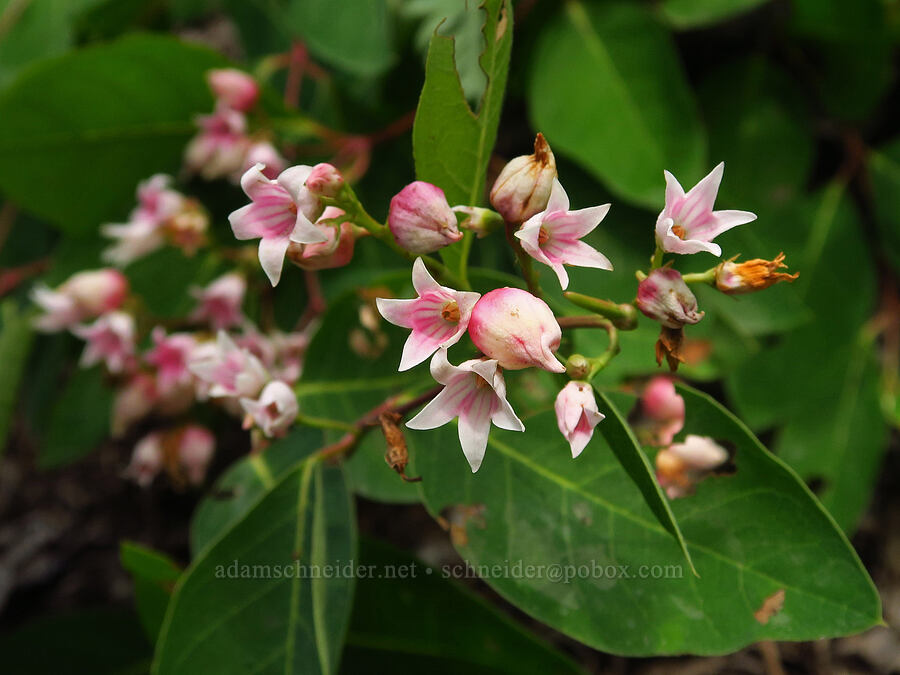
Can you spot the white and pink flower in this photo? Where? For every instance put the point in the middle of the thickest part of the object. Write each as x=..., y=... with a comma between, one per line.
x=335, y=251
x=147, y=459
x=553, y=236
x=523, y=186
x=577, y=414
x=84, y=295
x=688, y=223
x=228, y=370
x=110, y=340
x=170, y=356
x=475, y=392
x=221, y=145
x=274, y=411
x=517, y=329
x=664, y=296
x=196, y=447
x=262, y=152
x=660, y=413
x=219, y=304
x=438, y=317
x=281, y=211
x=681, y=466
x=421, y=220
x=233, y=88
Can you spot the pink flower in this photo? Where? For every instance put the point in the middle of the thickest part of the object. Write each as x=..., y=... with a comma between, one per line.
x=438, y=317
x=110, y=339
x=133, y=402
x=325, y=180
x=577, y=414
x=82, y=296
x=170, y=356
x=290, y=350
x=227, y=368
x=661, y=412
x=335, y=251
x=219, y=304
x=682, y=465
x=146, y=459
x=688, y=224
x=196, y=447
x=133, y=241
x=475, y=392
x=553, y=236
x=262, y=152
x=275, y=410
x=233, y=88
x=516, y=328
x=281, y=211
x=220, y=146
x=663, y=296
x=157, y=201
x=421, y=220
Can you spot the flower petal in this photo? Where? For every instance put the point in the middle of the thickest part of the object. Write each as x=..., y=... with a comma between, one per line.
x=305, y=232
x=703, y=195
x=271, y=256
x=293, y=179
x=422, y=280
x=397, y=312
x=559, y=200
x=474, y=428
x=440, y=410
x=417, y=348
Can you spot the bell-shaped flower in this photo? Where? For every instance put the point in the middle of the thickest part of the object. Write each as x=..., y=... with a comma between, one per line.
x=220, y=146
x=665, y=297
x=577, y=414
x=553, y=236
x=219, y=304
x=170, y=356
x=335, y=251
x=688, y=223
x=147, y=459
x=281, y=211
x=196, y=446
x=110, y=339
x=233, y=87
x=660, y=413
x=84, y=295
x=438, y=317
x=682, y=465
x=261, y=152
x=275, y=410
x=516, y=328
x=475, y=392
x=227, y=369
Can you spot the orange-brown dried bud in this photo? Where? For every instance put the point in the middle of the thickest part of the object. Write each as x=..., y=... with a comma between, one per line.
x=753, y=275
x=669, y=346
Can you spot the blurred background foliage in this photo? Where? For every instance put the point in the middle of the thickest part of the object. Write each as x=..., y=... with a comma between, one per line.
x=798, y=97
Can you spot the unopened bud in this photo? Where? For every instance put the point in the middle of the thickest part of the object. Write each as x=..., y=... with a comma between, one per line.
x=523, y=187
x=335, y=251
x=753, y=275
x=663, y=296
x=421, y=219
x=478, y=220
x=577, y=367
x=324, y=181
x=516, y=328
x=233, y=87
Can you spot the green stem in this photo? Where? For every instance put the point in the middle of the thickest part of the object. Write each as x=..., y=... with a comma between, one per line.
x=657, y=259
x=598, y=363
x=707, y=277
x=325, y=423
x=624, y=315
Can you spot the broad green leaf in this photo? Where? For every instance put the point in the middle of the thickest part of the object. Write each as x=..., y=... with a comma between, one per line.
x=631, y=457
x=239, y=488
x=119, y=113
x=884, y=169
x=96, y=641
x=467, y=634
x=839, y=20
x=355, y=38
x=607, y=90
x=452, y=143
x=750, y=535
x=252, y=601
x=342, y=382
x=163, y=279
x=16, y=335
x=79, y=420
x=687, y=14
x=154, y=576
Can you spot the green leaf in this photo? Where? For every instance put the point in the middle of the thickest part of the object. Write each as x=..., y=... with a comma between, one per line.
x=163, y=278
x=96, y=641
x=451, y=143
x=239, y=488
x=119, y=113
x=884, y=168
x=468, y=634
x=628, y=452
x=357, y=38
x=79, y=420
x=154, y=577
x=16, y=336
x=750, y=534
x=253, y=601
x=688, y=14
x=608, y=91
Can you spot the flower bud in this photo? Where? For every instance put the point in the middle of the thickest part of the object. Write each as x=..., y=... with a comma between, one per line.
x=233, y=87
x=195, y=451
x=146, y=460
x=336, y=251
x=478, y=220
x=421, y=219
x=517, y=329
x=663, y=296
x=753, y=275
x=682, y=465
x=661, y=413
x=577, y=414
x=324, y=181
x=97, y=291
x=523, y=187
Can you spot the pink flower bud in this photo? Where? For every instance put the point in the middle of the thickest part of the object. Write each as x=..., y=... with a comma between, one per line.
x=146, y=460
x=262, y=152
x=577, y=414
x=275, y=410
x=336, y=251
x=233, y=87
x=421, y=219
x=84, y=295
x=325, y=181
x=663, y=296
x=661, y=413
x=195, y=451
x=517, y=329
x=523, y=187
